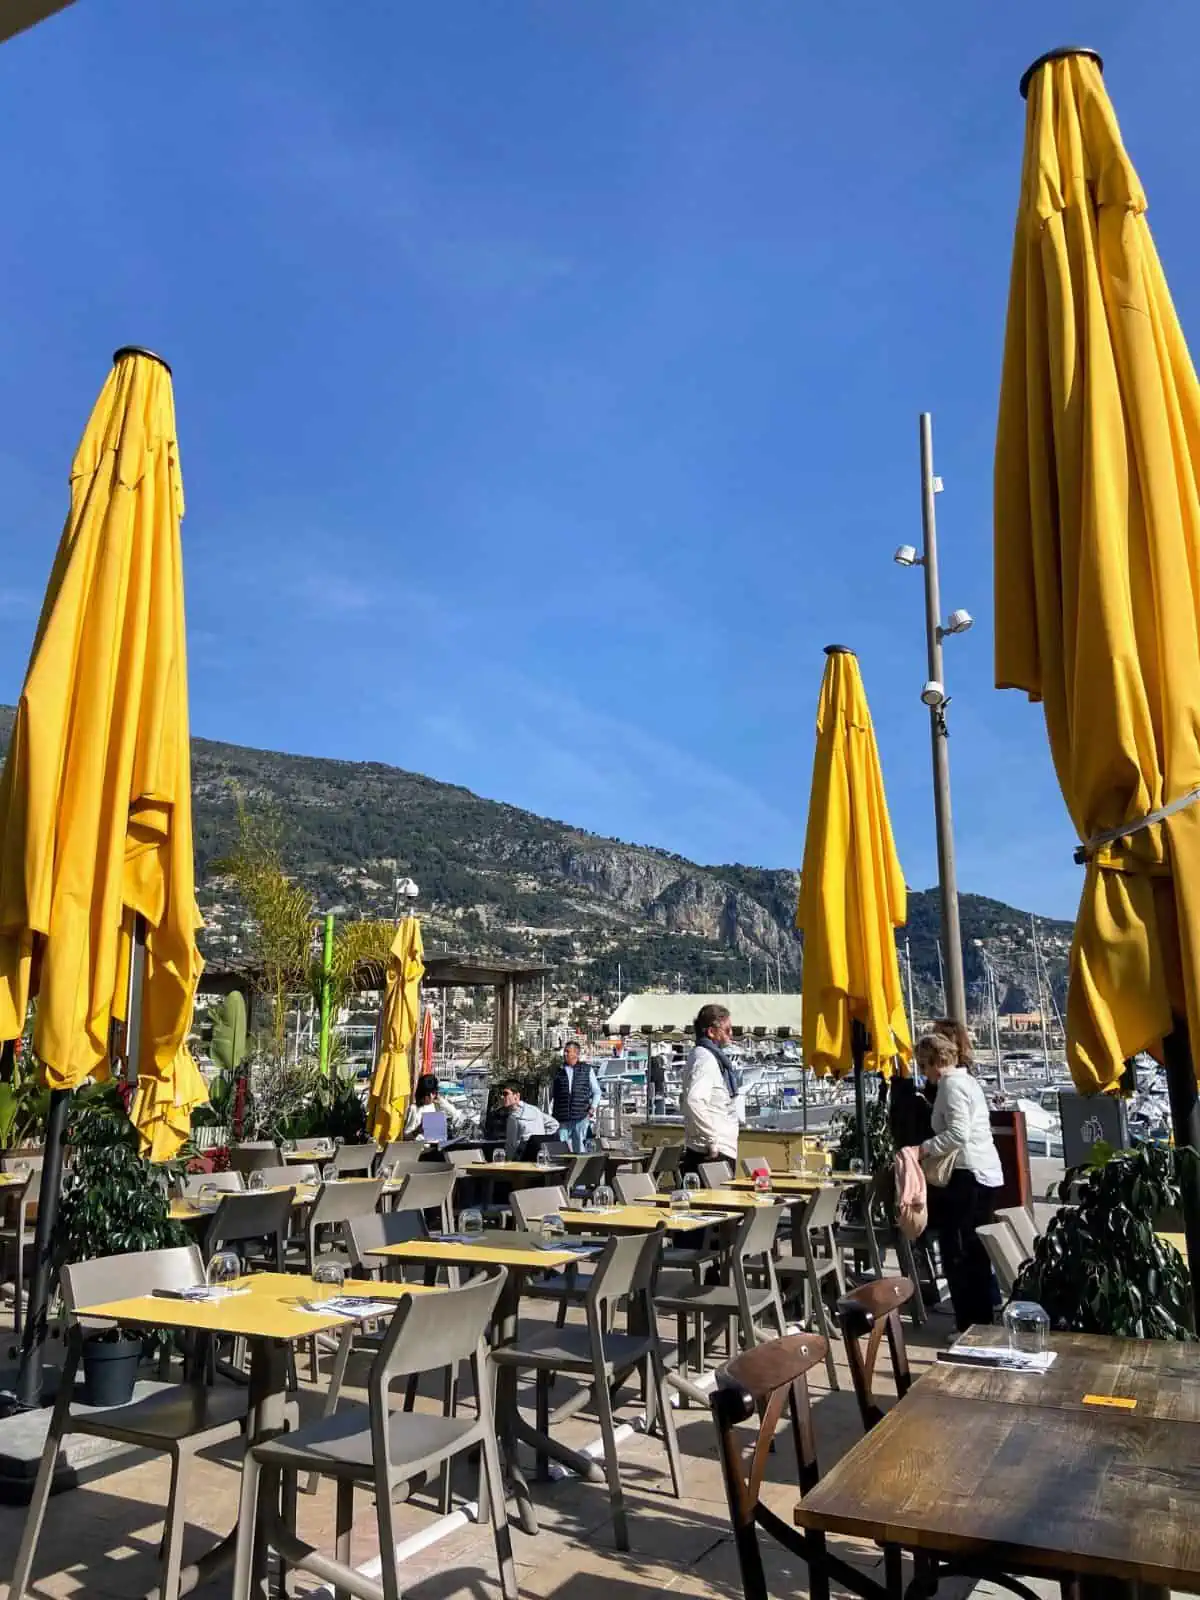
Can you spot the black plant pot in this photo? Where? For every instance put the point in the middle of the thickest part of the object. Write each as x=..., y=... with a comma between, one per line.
x=110, y=1371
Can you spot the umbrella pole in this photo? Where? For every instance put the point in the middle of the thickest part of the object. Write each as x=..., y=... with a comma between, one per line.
x=858, y=1050
x=1185, y=1119
x=33, y=1336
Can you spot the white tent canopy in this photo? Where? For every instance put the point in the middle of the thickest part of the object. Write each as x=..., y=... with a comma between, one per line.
x=756, y=1014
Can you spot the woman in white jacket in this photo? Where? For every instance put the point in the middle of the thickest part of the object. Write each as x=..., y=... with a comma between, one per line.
x=961, y=1127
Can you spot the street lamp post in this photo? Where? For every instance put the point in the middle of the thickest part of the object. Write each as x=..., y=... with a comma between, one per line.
x=935, y=697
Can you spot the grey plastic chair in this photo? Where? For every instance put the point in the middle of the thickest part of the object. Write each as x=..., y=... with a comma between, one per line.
x=1022, y=1225
x=365, y=1234
x=400, y=1156
x=281, y=1177
x=428, y=1189
x=567, y=1288
x=177, y=1422
x=737, y=1301
x=382, y=1450
x=809, y=1270
x=248, y=1158
x=715, y=1174
x=664, y=1162
x=194, y=1183
x=586, y=1172
x=259, y=1219
x=595, y=1353
x=467, y=1156
x=1004, y=1253
x=18, y=1203
x=633, y=1186
x=354, y=1160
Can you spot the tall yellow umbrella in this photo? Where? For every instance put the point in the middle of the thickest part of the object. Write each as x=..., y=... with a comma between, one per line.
x=95, y=797
x=391, y=1082
x=1097, y=551
x=852, y=893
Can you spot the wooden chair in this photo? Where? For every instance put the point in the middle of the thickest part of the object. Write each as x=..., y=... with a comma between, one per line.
x=760, y=1383
x=866, y=1314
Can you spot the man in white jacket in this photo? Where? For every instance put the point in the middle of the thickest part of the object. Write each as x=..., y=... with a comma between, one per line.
x=710, y=1120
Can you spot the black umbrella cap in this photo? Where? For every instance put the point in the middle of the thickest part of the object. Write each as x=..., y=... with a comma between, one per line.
x=1057, y=55
x=838, y=650
x=139, y=350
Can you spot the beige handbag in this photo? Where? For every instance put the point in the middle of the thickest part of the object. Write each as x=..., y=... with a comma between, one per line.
x=937, y=1169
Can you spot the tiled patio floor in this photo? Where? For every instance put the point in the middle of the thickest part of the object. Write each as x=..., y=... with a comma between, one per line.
x=100, y=1539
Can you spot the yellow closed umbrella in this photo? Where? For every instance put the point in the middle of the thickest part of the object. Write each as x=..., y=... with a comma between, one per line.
x=852, y=893
x=1097, y=551
x=95, y=798
x=391, y=1082
x=1097, y=548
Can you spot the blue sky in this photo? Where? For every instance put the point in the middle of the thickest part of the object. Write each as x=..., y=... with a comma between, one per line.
x=548, y=374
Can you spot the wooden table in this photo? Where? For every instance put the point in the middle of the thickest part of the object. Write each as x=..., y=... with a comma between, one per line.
x=270, y=1318
x=511, y=1169
x=1161, y=1376
x=1022, y=1487
x=524, y=1254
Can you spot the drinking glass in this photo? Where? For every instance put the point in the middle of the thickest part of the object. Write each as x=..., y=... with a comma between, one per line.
x=691, y=1182
x=223, y=1269
x=499, y=1154
x=19, y=1167
x=543, y=1157
x=256, y=1181
x=762, y=1183
x=328, y=1173
x=1028, y=1327
x=554, y=1229
x=470, y=1223
x=603, y=1197
x=329, y=1277
x=857, y=1164
x=209, y=1197
x=681, y=1199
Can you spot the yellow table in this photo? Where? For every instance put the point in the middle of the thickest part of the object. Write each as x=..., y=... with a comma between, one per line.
x=1179, y=1240
x=186, y=1210
x=270, y=1319
x=635, y=1219
x=728, y=1199
x=511, y=1169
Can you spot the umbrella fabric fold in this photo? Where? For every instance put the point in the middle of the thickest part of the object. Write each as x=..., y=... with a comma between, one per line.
x=1097, y=562
x=391, y=1081
x=852, y=892
x=95, y=798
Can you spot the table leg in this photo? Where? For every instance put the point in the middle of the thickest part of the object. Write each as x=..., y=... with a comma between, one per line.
x=504, y=1331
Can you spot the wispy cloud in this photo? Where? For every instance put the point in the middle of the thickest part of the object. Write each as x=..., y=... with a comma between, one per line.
x=18, y=603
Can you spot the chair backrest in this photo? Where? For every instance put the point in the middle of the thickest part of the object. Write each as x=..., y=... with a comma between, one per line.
x=17, y=1200
x=400, y=1156
x=315, y=1147
x=1004, y=1253
x=349, y=1158
x=625, y=1268
x=252, y=1157
x=424, y=1189
x=586, y=1172
x=223, y=1182
x=553, y=1145
x=756, y=1236
x=465, y=1157
x=338, y=1202
x=715, y=1174
x=366, y=1233
x=281, y=1177
x=253, y=1215
x=866, y=1314
x=531, y=1205
x=822, y=1208
x=665, y=1158
x=1023, y=1225
x=631, y=1186
x=755, y=1164
x=759, y=1383
x=125, y=1277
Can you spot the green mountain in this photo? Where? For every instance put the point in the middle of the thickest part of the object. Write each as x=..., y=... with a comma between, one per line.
x=495, y=879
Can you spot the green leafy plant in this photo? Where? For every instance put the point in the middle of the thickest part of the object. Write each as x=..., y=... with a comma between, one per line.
x=113, y=1200
x=228, y=1047
x=881, y=1150
x=1100, y=1267
x=335, y=1111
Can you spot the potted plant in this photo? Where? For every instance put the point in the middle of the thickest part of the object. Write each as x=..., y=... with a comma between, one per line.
x=1101, y=1267
x=113, y=1201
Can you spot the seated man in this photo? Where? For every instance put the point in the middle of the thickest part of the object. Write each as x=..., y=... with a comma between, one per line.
x=428, y=1099
x=525, y=1122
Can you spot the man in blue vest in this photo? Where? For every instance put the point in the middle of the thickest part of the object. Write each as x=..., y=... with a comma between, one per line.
x=575, y=1098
